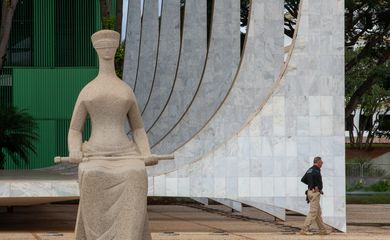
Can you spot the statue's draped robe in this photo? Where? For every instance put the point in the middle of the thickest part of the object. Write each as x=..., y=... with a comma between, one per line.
x=113, y=194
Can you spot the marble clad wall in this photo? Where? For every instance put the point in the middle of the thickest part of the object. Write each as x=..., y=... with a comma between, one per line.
x=148, y=52
x=189, y=71
x=263, y=131
x=250, y=87
x=221, y=66
x=133, y=34
x=168, y=56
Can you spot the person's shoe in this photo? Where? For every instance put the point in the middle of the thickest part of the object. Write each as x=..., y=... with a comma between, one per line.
x=304, y=232
x=324, y=232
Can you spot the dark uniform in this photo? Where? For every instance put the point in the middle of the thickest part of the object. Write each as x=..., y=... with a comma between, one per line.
x=313, y=179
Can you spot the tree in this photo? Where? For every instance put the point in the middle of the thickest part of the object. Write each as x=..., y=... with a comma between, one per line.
x=7, y=13
x=17, y=134
x=374, y=103
x=367, y=26
x=119, y=9
x=111, y=21
x=114, y=23
x=291, y=8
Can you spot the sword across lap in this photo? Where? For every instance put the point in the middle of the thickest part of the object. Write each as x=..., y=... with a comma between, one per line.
x=153, y=158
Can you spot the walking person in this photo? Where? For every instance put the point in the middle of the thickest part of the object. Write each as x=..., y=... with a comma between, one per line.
x=313, y=179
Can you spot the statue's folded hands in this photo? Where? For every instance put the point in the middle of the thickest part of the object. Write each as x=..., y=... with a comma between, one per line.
x=74, y=157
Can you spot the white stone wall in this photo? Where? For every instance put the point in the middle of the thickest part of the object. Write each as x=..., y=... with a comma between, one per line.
x=274, y=121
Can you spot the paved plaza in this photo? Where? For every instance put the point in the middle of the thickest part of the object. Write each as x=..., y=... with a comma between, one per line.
x=195, y=222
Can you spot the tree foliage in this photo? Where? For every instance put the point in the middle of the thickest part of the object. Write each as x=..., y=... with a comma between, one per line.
x=291, y=8
x=119, y=59
x=367, y=73
x=374, y=103
x=112, y=21
x=17, y=135
x=7, y=13
x=366, y=26
x=290, y=16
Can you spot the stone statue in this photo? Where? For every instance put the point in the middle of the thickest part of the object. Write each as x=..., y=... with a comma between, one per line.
x=112, y=172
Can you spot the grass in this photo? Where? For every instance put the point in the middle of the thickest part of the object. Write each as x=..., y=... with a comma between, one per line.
x=368, y=199
x=375, y=145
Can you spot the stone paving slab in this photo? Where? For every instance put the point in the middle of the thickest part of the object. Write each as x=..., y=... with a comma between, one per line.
x=195, y=222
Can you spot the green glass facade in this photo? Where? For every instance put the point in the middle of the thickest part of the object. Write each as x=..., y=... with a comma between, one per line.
x=49, y=59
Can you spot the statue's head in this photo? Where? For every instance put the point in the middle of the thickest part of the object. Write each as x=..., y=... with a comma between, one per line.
x=105, y=42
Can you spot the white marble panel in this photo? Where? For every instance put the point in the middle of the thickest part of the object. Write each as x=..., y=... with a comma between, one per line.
x=221, y=66
x=219, y=187
x=65, y=188
x=303, y=126
x=232, y=187
x=292, y=186
x=267, y=187
x=256, y=167
x=159, y=185
x=244, y=188
x=183, y=187
x=327, y=145
x=279, y=125
x=133, y=35
x=279, y=146
x=171, y=186
x=280, y=187
x=266, y=147
x=326, y=105
x=314, y=105
x=167, y=59
x=314, y=126
x=291, y=166
x=339, y=166
x=327, y=204
x=291, y=147
x=150, y=186
x=31, y=189
x=189, y=72
x=255, y=186
x=148, y=53
x=326, y=125
x=5, y=189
